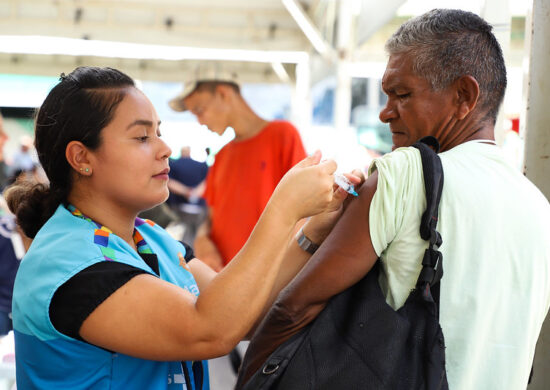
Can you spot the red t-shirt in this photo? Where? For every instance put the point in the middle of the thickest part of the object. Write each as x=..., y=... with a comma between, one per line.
x=242, y=179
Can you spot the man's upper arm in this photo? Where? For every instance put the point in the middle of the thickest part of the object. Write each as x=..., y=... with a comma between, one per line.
x=344, y=258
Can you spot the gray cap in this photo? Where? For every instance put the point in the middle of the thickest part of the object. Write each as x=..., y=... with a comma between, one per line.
x=203, y=73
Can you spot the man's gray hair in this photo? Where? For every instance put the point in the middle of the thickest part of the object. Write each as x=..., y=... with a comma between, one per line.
x=445, y=44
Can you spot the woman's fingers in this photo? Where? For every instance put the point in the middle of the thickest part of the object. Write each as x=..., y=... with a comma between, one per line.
x=356, y=176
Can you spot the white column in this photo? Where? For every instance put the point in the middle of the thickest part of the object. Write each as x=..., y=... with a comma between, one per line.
x=536, y=122
x=342, y=97
x=301, y=106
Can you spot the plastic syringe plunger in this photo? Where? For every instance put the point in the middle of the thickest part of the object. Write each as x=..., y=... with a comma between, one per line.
x=345, y=184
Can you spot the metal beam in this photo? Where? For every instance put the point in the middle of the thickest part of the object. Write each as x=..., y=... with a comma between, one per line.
x=309, y=29
x=373, y=17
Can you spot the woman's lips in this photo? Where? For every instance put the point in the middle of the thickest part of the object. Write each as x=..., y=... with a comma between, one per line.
x=162, y=174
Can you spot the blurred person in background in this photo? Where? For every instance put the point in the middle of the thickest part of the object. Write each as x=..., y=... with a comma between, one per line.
x=4, y=169
x=245, y=171
x=103, y=299
x=13, y=245
x=23, y=159
x=11, y=252
x=186, y=185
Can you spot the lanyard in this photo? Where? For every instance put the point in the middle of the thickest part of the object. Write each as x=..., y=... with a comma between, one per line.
x=102, y=232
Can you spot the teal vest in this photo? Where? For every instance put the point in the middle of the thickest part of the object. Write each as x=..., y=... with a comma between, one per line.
x=48, y=359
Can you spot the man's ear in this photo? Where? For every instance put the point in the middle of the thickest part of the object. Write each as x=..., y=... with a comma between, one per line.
x=224, y=91
x=78, y=157
x=467, y=94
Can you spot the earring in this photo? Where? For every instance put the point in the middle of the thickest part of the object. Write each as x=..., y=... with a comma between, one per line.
x=85, y=170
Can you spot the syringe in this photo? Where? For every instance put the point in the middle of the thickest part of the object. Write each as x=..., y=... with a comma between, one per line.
x=345, y=184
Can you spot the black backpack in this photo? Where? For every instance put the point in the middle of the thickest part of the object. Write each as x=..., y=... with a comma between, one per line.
x=358, y=341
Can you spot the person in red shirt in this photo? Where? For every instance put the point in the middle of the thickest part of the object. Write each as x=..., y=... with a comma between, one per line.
x=245, y=171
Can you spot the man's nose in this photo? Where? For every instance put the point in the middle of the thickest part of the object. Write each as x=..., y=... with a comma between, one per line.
x=387, y=113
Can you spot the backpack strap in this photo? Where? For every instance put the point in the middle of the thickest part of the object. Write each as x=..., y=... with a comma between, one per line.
x=432, y=263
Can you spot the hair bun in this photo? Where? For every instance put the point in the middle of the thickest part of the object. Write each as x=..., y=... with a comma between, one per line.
x=31, y=203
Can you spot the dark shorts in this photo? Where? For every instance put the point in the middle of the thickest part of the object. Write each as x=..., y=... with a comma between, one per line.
x=5, y=323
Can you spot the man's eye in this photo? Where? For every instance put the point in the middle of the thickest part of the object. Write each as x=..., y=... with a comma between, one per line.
x=403, y=95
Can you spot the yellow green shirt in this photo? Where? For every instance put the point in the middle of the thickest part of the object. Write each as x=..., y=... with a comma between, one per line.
x=495, y=290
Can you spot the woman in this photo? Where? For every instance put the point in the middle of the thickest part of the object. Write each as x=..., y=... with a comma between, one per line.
x=104, y=299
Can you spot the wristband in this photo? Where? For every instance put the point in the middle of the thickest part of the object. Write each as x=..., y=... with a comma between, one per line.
x=305, y=243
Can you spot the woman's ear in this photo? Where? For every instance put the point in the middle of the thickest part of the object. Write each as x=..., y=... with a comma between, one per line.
x=467, y=94
x=77, y=156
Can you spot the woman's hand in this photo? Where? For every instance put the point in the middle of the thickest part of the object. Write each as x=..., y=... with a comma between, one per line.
x=319, y=226
x=306, y=189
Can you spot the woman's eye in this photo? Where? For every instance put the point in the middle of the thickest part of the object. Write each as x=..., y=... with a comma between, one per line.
x=143, y=139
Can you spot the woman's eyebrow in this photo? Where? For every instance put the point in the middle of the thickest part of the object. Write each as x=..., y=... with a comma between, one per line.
x=142, y=122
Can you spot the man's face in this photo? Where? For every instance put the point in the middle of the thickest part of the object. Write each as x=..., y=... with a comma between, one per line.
x=209, y=109
x=414, y=110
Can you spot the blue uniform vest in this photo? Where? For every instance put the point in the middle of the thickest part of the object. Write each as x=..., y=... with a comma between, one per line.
x=48, y=359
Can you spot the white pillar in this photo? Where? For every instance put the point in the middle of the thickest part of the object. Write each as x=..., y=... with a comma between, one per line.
x=342, y=97
x=535, y=122
x=301, y=106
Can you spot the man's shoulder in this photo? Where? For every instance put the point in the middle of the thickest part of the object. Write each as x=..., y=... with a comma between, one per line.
x=280, y=131
x=399, y=159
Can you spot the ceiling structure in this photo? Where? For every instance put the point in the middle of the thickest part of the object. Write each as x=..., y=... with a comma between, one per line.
x=298, y=42
x=227, y=30
x=213, y=24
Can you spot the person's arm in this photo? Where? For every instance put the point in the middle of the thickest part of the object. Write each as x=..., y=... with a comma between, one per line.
x=198, y=191
x=343, y=258
x=341, y=261
x=204, y=247
x=153, y=319
x=317, y=228
x=178, y=188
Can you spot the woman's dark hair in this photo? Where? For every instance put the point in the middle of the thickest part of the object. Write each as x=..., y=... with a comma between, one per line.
x=76, y=109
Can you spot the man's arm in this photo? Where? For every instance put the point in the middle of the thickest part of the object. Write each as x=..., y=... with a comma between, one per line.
x=204, y=247
x=344, y=257
x=341, y=261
